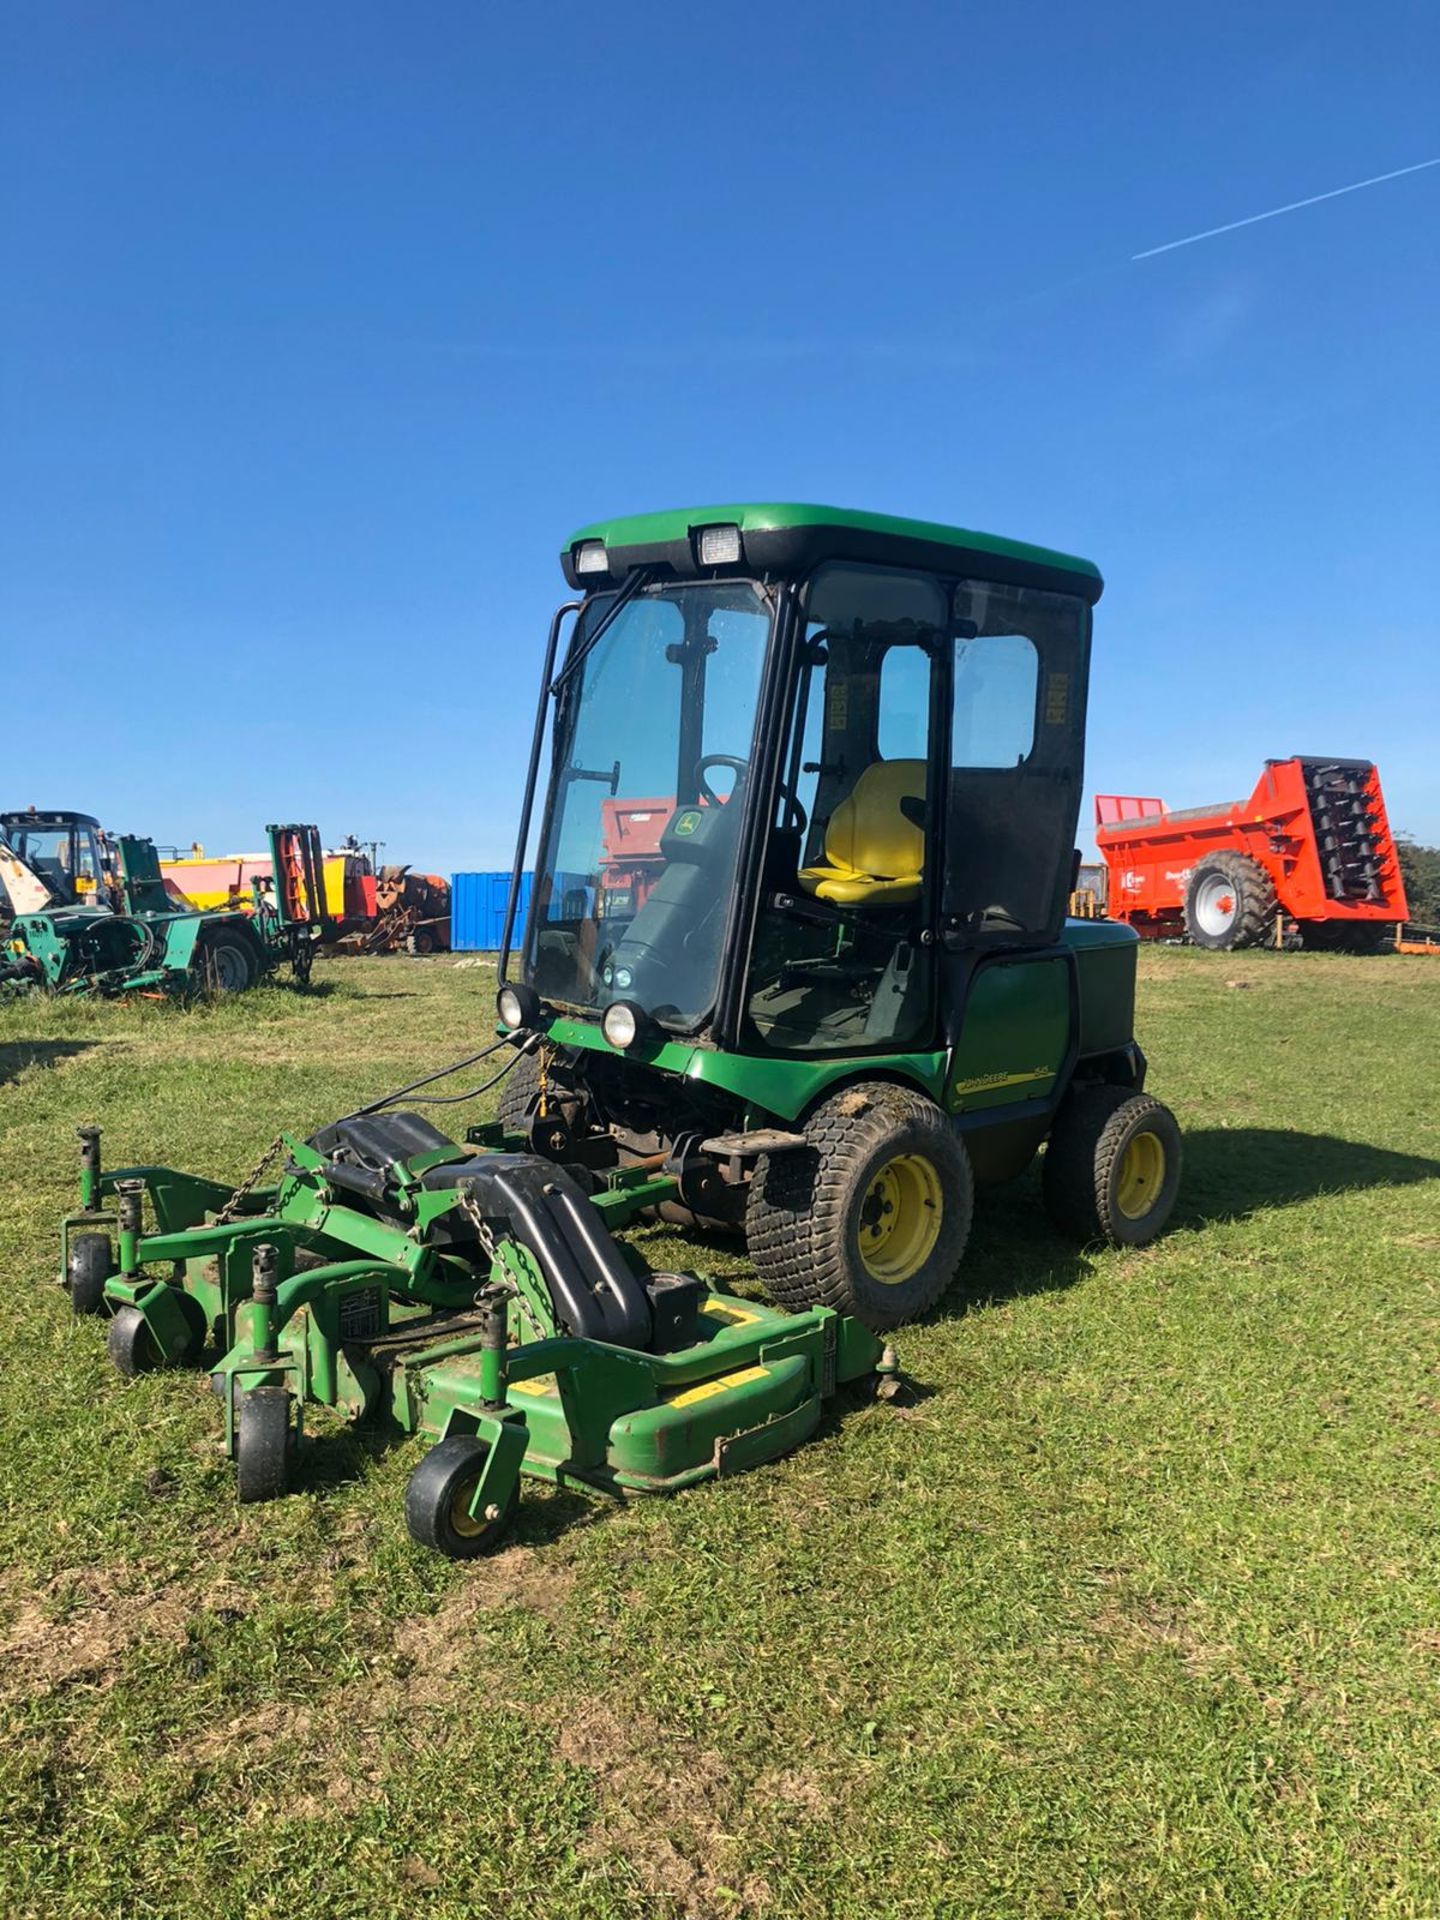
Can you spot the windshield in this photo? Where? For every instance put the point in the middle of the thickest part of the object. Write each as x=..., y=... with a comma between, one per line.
x=650, y=757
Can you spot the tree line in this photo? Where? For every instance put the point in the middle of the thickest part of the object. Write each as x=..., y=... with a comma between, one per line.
x=1420, y=868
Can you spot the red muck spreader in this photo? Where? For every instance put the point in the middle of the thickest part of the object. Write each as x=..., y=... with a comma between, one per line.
x=1307, y=860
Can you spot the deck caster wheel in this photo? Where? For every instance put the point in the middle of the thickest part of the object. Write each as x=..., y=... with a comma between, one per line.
x=131, y=1345
x=437, y=1500
x=264, y=1444
x=89, y=1267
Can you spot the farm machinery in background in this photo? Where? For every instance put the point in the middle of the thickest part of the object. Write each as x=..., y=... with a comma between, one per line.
x=92, y=915
x=1308, y=860
x=389, y=910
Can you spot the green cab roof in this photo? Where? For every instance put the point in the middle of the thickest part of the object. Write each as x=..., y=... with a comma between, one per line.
x=788, y=537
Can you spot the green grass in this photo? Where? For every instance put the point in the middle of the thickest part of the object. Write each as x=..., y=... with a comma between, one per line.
x=1136, y=1612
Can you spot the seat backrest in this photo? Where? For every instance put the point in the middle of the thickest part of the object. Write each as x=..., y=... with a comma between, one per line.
x=869, y=833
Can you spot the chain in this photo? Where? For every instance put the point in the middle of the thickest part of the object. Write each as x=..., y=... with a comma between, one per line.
x=490, y=1248
x=251, y=1180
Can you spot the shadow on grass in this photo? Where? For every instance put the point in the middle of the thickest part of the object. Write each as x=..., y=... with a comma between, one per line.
x=17, y=1055
x=1232, y=1173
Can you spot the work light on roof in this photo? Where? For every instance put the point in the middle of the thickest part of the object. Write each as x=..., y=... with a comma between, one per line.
x=719, y=546
x=590, y=557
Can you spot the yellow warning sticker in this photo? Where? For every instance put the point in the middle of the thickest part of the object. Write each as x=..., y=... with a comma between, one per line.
x=837, y=706
x=1057, y=699
x=542, y=1383
x=732, y=1316
x=709, y=1388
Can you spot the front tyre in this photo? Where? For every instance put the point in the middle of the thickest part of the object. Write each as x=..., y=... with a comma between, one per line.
x=518, y=1093
x=1112, y=1167
x=872, y=1215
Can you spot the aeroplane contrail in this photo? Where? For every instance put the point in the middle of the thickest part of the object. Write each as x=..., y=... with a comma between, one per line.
x=1294, y=205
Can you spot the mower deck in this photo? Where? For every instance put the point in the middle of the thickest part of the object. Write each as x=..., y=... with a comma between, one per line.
x=471, y=1294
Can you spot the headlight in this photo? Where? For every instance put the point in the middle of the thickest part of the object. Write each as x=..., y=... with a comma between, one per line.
x=719, y=546
x=591, y=557
x=518, y=1007
x=623, y=1023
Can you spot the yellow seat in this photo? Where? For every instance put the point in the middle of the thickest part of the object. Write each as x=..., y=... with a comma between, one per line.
x=874, y=856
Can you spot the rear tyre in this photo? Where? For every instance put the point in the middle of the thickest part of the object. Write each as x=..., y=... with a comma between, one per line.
x=1230, y=902
x=438, y=1497
x=421, y=941
x=264, y=1444
x=1112, y=1167
x=89, y=1267
x=872, y=1216
x=228, y=963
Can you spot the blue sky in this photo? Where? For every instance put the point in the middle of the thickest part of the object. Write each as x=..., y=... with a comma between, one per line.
x=323, y=326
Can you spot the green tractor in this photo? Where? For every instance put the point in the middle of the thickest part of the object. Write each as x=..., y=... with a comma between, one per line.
x=91, y=915
x=796, y=963
x=797, y=931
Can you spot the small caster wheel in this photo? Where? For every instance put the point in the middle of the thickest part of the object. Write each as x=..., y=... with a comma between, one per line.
x=90, y=1266
x=131, y=1345
x=264, y=1444
x=437, y=1500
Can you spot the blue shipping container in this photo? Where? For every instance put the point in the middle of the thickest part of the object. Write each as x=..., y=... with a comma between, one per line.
x=477, y=910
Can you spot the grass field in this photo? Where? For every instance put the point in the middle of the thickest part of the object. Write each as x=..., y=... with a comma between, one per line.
x=1135, y=1612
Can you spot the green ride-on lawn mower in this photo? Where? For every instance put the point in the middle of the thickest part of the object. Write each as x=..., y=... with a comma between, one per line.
x=89, y=914
x=796, y=963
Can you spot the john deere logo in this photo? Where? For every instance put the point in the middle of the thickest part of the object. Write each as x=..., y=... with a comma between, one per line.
x=987, y=1082
x=687, y=823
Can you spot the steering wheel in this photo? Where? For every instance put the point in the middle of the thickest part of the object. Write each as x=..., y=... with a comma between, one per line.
x=738, y=767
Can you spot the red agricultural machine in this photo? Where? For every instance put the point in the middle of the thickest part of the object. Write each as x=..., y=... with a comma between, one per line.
x=1307, y=860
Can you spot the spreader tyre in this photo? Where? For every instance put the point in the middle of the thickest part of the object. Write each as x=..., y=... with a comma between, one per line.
x=130, y=1343
x=264, y=1444
x=872, y=1216
x=437, y=1500
x=1230, y=902
x=90, y=1266
x=1112, y=1167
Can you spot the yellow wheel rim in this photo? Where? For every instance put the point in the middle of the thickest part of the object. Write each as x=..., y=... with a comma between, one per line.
x=461, y=1518
x=900, y=1219
x=1141, y=1176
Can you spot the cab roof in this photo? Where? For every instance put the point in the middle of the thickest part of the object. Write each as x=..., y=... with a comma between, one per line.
x=47, y=817
x=791, y=537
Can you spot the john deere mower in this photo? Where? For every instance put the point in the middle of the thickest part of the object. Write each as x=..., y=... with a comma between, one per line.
x=796, y=965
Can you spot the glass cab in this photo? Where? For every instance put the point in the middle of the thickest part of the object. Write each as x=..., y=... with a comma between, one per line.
x=793, y=799
x=64, y=855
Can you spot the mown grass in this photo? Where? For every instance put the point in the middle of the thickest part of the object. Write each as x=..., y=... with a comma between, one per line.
x=1137, y=1611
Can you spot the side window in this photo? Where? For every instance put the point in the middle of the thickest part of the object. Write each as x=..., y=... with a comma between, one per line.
x=997, y=684
x=903, y=726
x=840, y=963
x=1015, y=761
